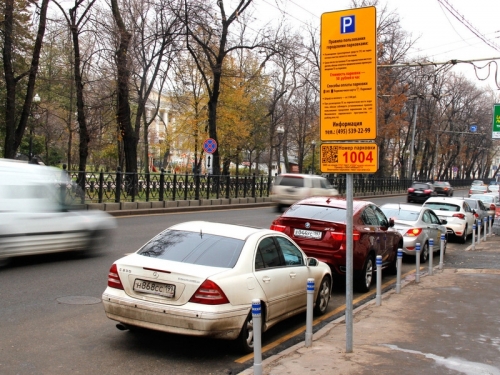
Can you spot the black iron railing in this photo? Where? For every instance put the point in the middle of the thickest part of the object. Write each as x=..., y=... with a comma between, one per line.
x=101, y=187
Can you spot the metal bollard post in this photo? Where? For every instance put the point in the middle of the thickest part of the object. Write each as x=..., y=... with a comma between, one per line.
x=431, y=255
x=473, y=237
x=379, y=280
x=441, y=251
x=417, y=262
x=485, y=221
x=490, y=221
x=309, y=312
x=257, y=337
x=398, y=278
x=478, y=232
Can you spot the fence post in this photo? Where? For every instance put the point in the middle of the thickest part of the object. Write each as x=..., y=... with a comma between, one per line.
x=417, y=263
x=209, y=177
x=197, y=186
x=253, y=186
x=186, y=187
x=162, y=183
x=257, y=337
x=118, y=187
x=174, y=188
x=101, y=186
x=228, y=182
x=378, y=297
x=309, y=311
x=148, y=181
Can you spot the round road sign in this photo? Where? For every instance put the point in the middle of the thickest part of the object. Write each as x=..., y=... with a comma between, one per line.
x=210, y=145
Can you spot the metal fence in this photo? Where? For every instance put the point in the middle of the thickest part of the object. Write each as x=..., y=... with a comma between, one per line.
x=100, y=187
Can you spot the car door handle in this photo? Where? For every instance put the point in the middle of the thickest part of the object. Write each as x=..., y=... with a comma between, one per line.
x=292, y=275
x=266, y=279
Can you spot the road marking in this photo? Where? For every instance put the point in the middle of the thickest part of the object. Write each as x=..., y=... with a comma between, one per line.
x=316, y=321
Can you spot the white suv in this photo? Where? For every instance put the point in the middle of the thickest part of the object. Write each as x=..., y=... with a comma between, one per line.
x=292, y=187
x=458, y=214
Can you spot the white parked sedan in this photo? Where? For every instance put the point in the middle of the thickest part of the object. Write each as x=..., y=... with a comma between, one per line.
x=457, y=213
x=199, y=278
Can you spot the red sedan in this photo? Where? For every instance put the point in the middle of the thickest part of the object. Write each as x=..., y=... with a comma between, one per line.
x=318, y=226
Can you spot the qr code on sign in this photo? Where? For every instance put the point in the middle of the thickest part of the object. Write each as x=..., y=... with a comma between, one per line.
x=329, y=154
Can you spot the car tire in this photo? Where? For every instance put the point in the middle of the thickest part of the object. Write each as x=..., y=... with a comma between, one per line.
x=245, y=339
x=365, y=277
x=463, y=238
x=323, y=297
x=278, y=208
x=424, y=253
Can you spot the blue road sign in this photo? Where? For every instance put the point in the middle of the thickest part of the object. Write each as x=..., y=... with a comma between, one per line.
x=473, y=128
x=210, y=145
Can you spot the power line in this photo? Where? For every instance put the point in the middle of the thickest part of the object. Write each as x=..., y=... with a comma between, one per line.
x=467, y=24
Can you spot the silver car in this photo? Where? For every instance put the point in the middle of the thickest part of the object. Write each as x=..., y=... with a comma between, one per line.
x=417, y=224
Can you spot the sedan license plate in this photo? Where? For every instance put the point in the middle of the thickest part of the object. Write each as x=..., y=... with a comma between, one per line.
x=307, y=233
x=160, y=289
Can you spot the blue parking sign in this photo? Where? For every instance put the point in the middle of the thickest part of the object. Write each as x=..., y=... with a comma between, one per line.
x=347, y=24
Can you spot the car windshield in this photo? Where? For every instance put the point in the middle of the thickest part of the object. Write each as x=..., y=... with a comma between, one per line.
x=441, y=206
x=194, y=248
x=290, y=181
x=332, y=214
x=399, y=214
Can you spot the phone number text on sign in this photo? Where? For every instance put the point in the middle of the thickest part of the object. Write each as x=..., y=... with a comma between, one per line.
x=349, y=158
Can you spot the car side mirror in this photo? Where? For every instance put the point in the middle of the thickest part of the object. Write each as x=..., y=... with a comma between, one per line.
x=391, y=222
x=443, y=221
x=312, y=262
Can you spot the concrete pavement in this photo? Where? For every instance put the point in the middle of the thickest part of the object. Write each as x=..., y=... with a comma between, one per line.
x=448, y=323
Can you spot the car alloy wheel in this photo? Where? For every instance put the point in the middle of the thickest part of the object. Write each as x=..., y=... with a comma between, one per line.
x=323, y=297
x=424, y=253
x=365, y=277
x=245, y=339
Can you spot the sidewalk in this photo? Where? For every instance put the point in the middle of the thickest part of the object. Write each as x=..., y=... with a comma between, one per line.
x=448, y=323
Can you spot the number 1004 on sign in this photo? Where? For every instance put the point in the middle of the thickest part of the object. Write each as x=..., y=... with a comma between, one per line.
x=349, y=158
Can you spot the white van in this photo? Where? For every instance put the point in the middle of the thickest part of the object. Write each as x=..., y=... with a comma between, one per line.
x=34, y=218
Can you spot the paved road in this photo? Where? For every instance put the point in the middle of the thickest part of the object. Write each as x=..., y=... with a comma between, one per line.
x=52, y=320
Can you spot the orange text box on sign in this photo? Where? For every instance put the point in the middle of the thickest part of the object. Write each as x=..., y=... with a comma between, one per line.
x=349, y=157
x=348, y=75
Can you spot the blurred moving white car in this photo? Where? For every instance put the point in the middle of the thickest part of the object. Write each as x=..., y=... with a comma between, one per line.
x=292, y=187
x=34, y=218
x=200, y=278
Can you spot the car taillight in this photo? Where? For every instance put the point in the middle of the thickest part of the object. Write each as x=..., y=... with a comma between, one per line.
x=278, y=228
x=411, y=190
x=413, y=232
x=493, y=207
x=209, y=293
x=460, y=216
x=427, y=191
x=114, y=279
x=340, y=236
x=476, y=215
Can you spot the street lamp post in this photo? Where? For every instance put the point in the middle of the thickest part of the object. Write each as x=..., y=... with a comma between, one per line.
x=280, y=130
x=36, y=115
x=313, y=143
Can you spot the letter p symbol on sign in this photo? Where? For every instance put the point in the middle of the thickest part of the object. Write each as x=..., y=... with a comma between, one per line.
x=347, y=24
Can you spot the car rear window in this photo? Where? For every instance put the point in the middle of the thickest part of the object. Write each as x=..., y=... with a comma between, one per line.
x=290, y=181
x=399, y=214
x=420, y=186
x=437, y=206
x=332, y=214
x=194, y=248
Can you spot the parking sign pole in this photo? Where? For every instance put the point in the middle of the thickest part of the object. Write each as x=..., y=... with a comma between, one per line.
x=349, y=264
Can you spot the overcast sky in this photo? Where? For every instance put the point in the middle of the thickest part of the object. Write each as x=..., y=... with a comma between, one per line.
x=441, y=36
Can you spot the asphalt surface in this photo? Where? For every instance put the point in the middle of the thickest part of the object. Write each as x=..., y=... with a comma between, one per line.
x=447, y=323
